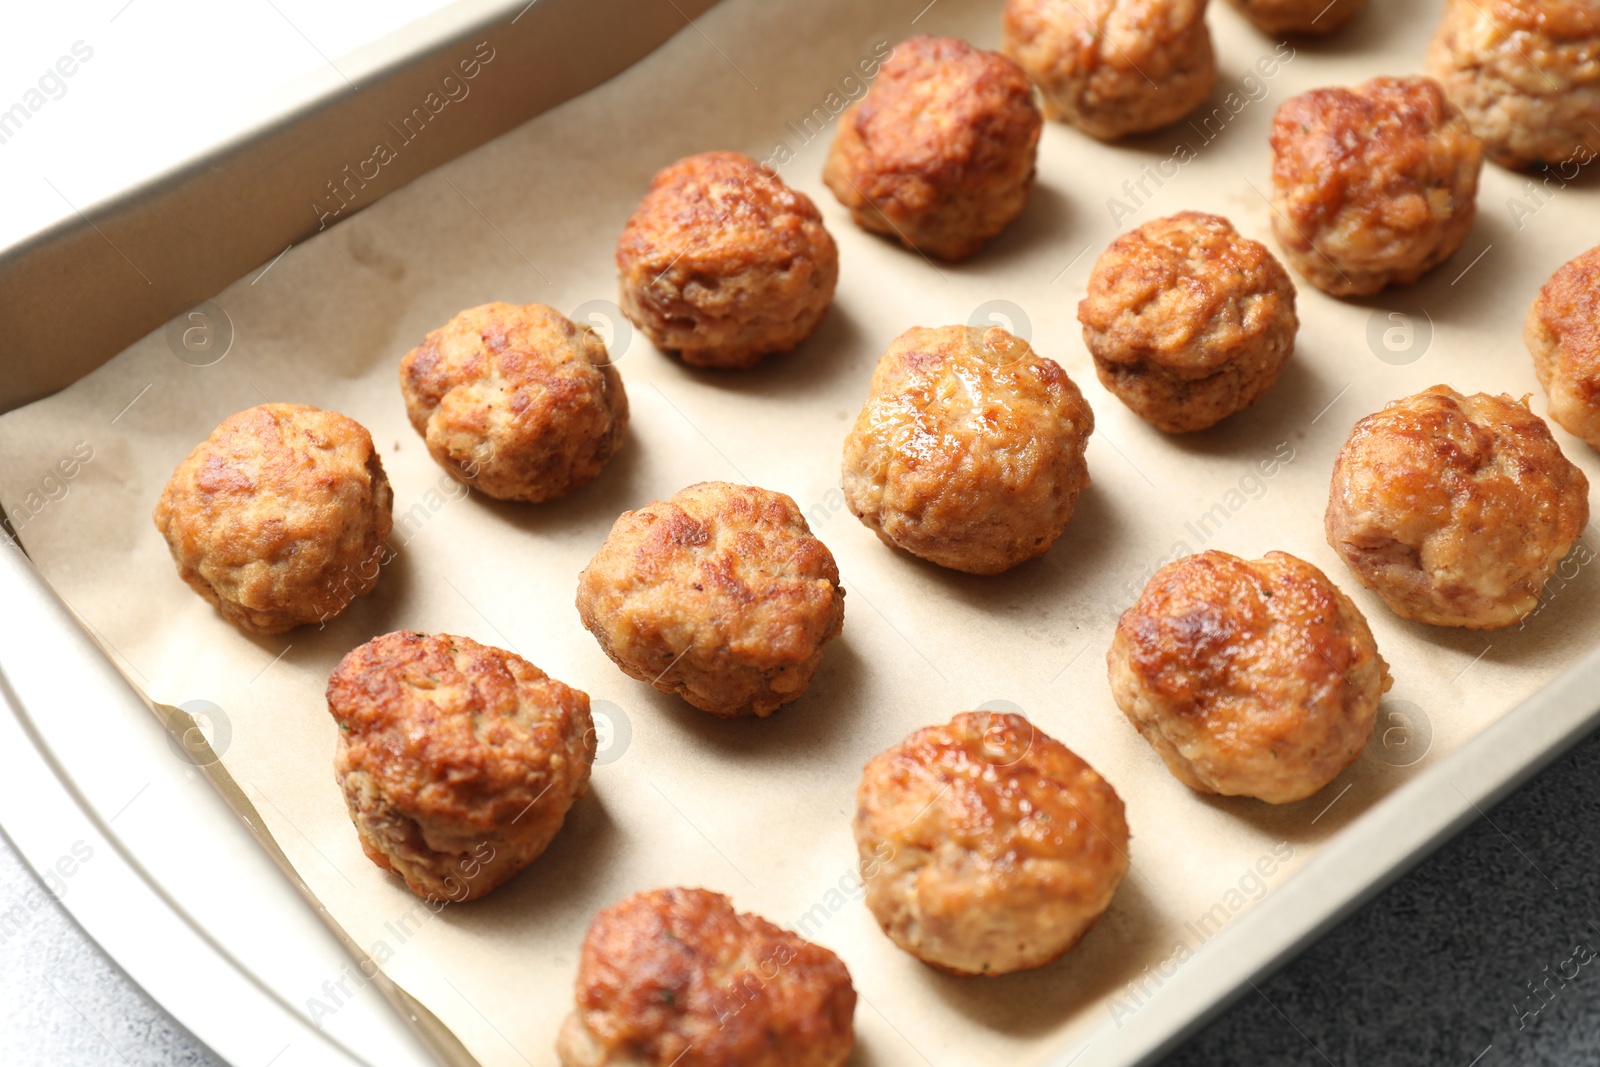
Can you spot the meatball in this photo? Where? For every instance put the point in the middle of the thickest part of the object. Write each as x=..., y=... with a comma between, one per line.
x=519, y=402
x=940, y=153
x=279, y=518
x=458, y=761
x=677, y=977
x=1188, y=322
x=1113, y=67
x=1319, y=17
x=1455, y=509
x=719, y=594
x=1254, y=678
x=969, y=449
x=1563, y=333
x=987, y=846
x=1372, y=186
x=1526, y=73
x=722, y=263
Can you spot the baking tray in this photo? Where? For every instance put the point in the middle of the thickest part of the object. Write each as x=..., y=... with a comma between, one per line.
x=1362, y=857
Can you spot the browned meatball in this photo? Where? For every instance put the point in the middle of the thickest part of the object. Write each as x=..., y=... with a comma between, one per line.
x=969, y=450
x=677, y=978
x=722, y=263
x=1526, y=73
x=1188, y=322
x=1455, y=509
x=719, y=594
x=1563, y=333
x=940, y=153
x=1318, y=17
x=279, y=518
x=518, y=402
x=1253, y=678
x=1372, y=186
x=458, y=761
x=987, y=846
x=1113, y=67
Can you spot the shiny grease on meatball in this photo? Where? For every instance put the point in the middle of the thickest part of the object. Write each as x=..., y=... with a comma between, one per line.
x=718, y=594
x=1372, y=186
x=1113, y=67
x=969, y=449
x=940, y=153
x=987, y=846
x=279, y=518
x=1526, y=74
x=1455, y=509
x=519, y=402
x=1188, y=322
x=677, y=978
x=1319, y=17
x=458, y=761
x=722, y=263
x=1563, y=335
x=1250, y=678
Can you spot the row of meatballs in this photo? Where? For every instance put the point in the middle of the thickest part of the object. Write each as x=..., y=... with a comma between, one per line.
x=1522, y=72
x=1372, y=186
x=723, y=264
x=969, y=452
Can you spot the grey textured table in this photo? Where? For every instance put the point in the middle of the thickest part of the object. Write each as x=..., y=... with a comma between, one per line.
x=1438, y=970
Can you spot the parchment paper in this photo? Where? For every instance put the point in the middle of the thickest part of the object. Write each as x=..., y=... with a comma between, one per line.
x=761, y=809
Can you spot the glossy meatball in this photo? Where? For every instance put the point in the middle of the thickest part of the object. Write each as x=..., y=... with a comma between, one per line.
x=1563, y=333
x=1113, y=67
x=1526, y=73
x=722, y=264
x=458, y=761
x=279, y=518
x=677, y=978
x=969, y=450
x=1254, y=678
x=519, y=402
x=1372, y=186
x=987, y=846
x=1188, y=322
x=940, y=152
x=719, y=594
x=1318, y=17
x=1455, y=509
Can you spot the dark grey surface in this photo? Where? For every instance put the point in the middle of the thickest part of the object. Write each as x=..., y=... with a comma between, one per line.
x=1435, y=971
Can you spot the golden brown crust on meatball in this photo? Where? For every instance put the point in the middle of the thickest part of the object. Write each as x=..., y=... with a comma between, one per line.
x=969, y=449
x=1250, y=678
x=987, y=846
x=458, y=761
x=722, y=263
x=676, y=976
x=517, y=401
x=1455, y=509
x=1319, y=17
x=940, y=153
x=719, y=594
x=1372, y=186
x=1563, y=334
x=1188, y=322
x=1526, y=74
x=1113, y=67
x=279, y=518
